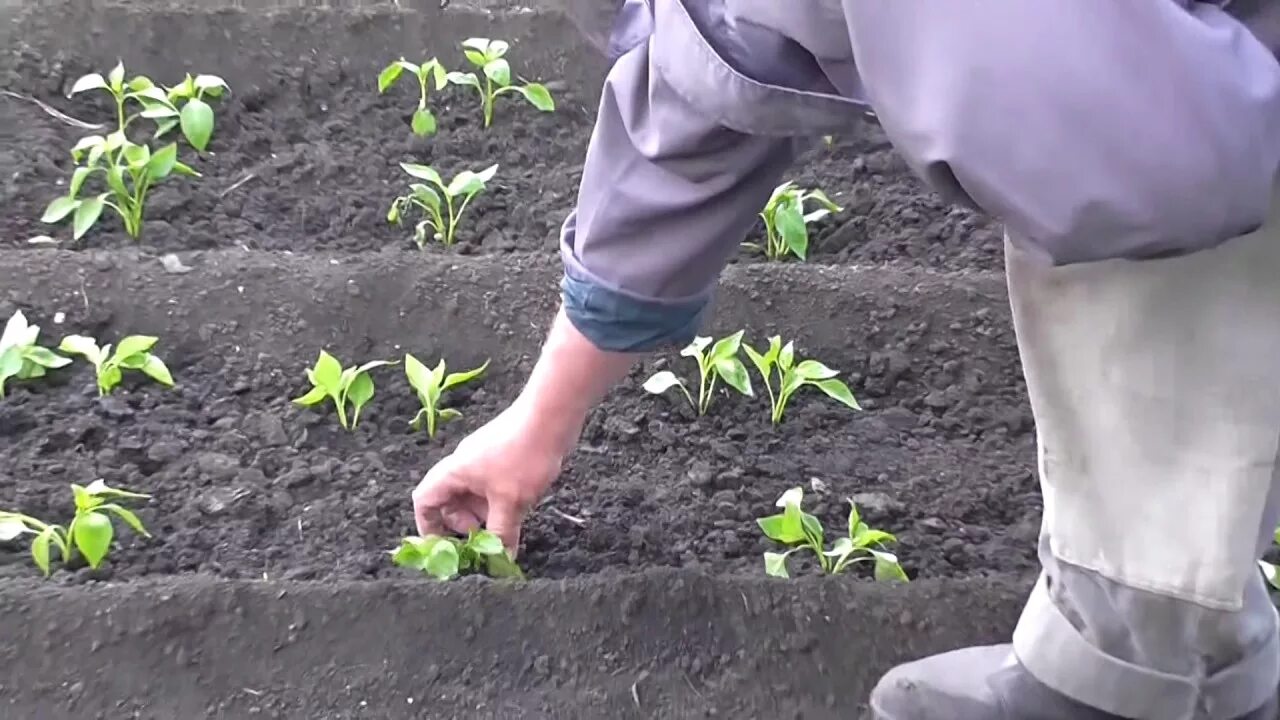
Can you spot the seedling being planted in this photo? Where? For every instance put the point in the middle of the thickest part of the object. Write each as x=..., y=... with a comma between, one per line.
x=133, y=353
x=20, y=356
x=345, y=387
x=1270, y=571
x=783, y=376
x=721, y=363
x=430, y=384
x=487, y=56
x=429, y=72
x=442, y=205
x=90, y=531
x=786, y=224
x=444, y=558
x=797, y=528
x=129, y=170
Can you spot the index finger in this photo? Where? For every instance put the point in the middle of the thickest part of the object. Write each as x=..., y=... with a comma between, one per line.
x=438, y=488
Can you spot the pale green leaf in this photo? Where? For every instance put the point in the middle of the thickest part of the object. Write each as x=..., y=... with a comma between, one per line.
x=315, y=396
x=499, y=71
x=783, y=528
x=196, y=120
x=40, y=549
x=327, y=372
x=887, y=567
x=442, y=561
x=92, y=81
x=87, y=213
x=423, y=172
x=455, y=379
x=423, y=122
x=92, y=533
x=135, y=344
x=734, y=373
x=486, y=543
x=775, y=564
x=661, y=382
x=838, y=391
x=538, y=96
x=162, y=162
x=814, y=370
x=155, y=369
x=790, y=225
x=389, y=75
x=12, y=529
x=59, y=209
x=127, y=515
x=82, y=345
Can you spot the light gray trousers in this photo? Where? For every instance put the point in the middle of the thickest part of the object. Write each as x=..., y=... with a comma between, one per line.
x=1157, y=404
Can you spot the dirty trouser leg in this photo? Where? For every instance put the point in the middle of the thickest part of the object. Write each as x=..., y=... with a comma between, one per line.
x=1156, y=393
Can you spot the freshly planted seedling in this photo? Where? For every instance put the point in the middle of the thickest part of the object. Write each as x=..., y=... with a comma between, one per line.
x=429, y=72
x=721, y=363
x=444, y=558
x=786, y=224
x=20, y=356
x=345, y=387
x=442, y=206
x=800, y=530
x=129, y=170
x=487, y=56
x=133, y=353
x=90, y=531
x=430, y=384
x=1270, y=571
x=783, y=376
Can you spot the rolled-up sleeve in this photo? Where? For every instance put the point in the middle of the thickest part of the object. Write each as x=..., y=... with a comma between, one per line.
x=667, y=195
x=1093, y=129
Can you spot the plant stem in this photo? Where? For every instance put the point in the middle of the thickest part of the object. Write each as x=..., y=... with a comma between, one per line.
x=453, y=219
x=488, y=100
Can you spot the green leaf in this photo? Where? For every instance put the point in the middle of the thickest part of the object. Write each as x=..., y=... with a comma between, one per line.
x=136, y=155
x=162, y=161
x=661, y=382
x=40, y=549
x=140, y=84
x=538, y=96
x=44, y=357
x=790, y=498
x=782, y=528
x=426, y=196
x=854, y=519
x=315, y=396
x=465, y=183
x=727, y=347
x=135, y=344
x=497, y=48
x=11, y=529
x=464, y=78
x=486, y=543
x=775, y=564
x=196, y=120
x=423, y=172
x=84, y=499
x=115, y=181
x=87, y=213
x=478, y=44
x=389, y=75
x=814, y=370
x=87, y=142
x=418, y=375
x=92, y=81
x=92, y=535
x=500, y=565
x=499, y=71
x=116, y=77
x=762, y=362
x=448, y=414
x=210, y=82
x=792, y=228
x=359, y=393
x=77, y=180
x=842, y=546
x=839, y=391
x=1271, y=573
x=474, y=57
x=735, y=374
x=155, y=369
x=887, y=567
x=411, y=554
x=59, y=209
x=82, y=345
x=159, y=111
x=128, y=516
x=439, y=74
x=455, y=379
x=100, y=487
x=108, y=377
x=864, y=536
x=184, y=169
x=423, y=123
x=442, y=562
x=813, y=530
x=327, y=372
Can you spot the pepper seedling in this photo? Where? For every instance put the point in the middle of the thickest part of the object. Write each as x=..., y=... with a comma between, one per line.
x=423, y=122
x=779, y=370
x=133, y=353
x=786, y=224
x=90, y=531
x=1270, y=571
x=430, y=384
x=487, y=56
x=721, y=363
x=20, y=356
x=329, y=380
x=129, y=169
x=444, y=558
x=797, y=528
x=440, y=205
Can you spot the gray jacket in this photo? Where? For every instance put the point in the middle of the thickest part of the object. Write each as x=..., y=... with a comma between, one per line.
x=1092, y=129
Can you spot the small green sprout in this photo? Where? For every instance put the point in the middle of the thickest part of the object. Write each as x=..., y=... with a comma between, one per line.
x=786, y=222
x=20, y=356
x=90, y=530
x=133, y=353
x=721, y=363
x=801, y=530
x=791, y=376
x=1269, y=570
x=444, y=558
x=487, y=56
x=441, y=206
x=423, y=122
x=129, y=169
x=351, y=385
x=430, y=385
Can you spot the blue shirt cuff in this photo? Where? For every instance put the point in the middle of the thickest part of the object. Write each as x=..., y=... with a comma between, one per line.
x=617, y=323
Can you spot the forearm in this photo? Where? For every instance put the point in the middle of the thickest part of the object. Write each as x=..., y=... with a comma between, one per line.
x=570, y=378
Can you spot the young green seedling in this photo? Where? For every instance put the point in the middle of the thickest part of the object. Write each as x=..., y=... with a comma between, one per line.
x=721, y=363
x=20, y=356
x=343, y=386
x=1270, y=571
x=430, y=384
x=444, y=558
x=487, y=56
x=129, y=170
x=790, y=376
x=786, y=224
x=133, y=353
x=797, y=528
x=89, y=532
x=443, y=205
x=423, y=121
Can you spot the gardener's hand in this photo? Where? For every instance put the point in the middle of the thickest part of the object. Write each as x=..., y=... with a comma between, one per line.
x=493, y=478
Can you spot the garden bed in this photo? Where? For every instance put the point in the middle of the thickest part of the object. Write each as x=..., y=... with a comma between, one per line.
x=267, y=590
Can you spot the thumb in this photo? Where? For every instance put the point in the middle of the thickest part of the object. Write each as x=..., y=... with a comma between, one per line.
x=504, y=521
x=439, y=488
